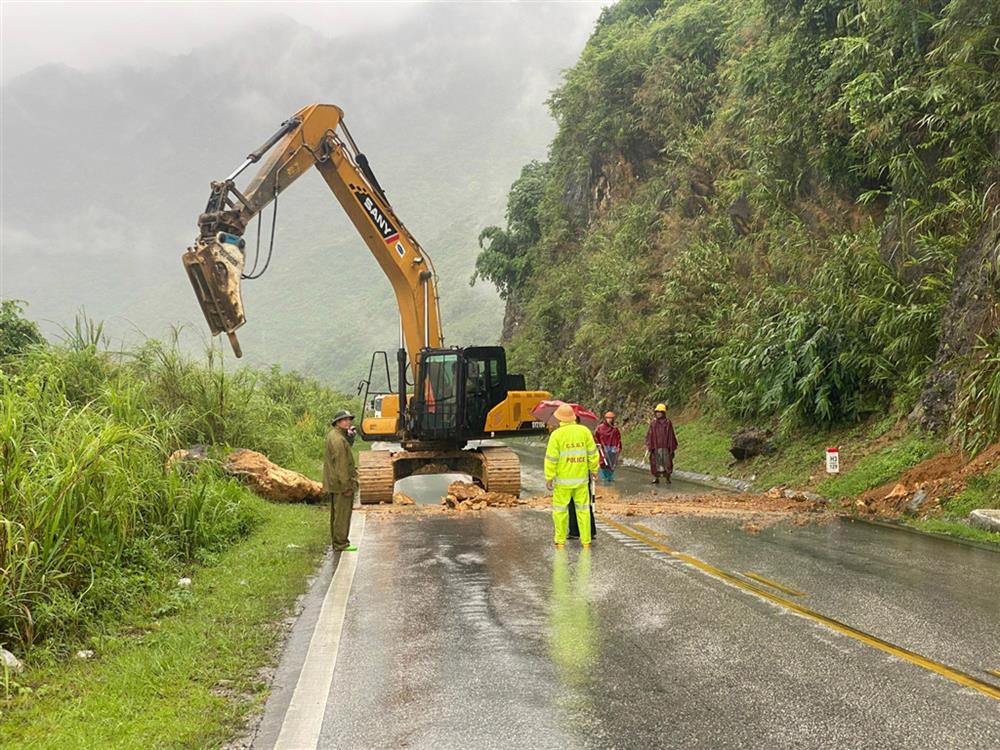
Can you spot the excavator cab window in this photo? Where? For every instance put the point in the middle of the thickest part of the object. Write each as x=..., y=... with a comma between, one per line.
x=437, y=403
x=486, y=378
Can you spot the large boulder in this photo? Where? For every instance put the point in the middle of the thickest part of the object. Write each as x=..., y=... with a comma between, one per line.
x=271, y=481
x=751, y=441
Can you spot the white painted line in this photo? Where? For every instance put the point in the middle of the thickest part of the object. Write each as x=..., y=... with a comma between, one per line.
x=304, y=718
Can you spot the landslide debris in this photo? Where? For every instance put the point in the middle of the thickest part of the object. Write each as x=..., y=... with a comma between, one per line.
x=400, y=498
x=467, y=496
x=609, y=501
x=920, y=489
x=271, y=481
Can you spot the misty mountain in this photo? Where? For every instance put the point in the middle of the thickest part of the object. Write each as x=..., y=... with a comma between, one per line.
x=105, y=173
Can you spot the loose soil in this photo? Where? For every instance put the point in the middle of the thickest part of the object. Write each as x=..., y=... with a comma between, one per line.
x=940, y=477
x=758, y=511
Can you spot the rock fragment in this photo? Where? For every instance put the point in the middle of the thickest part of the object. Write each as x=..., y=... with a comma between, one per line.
x=917, y=502
x=748, y=442
x=986, y=518
x=898, y=491
x=10, y=662
x=187, y=459
x=402, y=499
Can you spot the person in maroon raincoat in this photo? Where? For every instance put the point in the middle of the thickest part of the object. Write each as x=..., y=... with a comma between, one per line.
x=609, y=443
x=661, y=442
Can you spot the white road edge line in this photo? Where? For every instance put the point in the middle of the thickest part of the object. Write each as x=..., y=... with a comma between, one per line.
x=303, y=720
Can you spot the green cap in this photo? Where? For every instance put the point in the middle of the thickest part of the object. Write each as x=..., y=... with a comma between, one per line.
x=342, y=414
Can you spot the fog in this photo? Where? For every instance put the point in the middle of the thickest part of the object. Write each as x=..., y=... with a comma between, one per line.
x=113, y=128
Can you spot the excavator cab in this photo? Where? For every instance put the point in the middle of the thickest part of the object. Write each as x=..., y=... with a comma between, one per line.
x=456, y=392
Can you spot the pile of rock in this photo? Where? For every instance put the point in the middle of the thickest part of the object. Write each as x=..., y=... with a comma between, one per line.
x=468, y=496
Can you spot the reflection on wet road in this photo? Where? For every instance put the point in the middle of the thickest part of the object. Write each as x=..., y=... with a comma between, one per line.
x=571, y=627
x=472, y=631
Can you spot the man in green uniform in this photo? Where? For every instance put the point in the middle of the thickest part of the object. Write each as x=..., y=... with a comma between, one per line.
x=570, y=465
x=340, y=479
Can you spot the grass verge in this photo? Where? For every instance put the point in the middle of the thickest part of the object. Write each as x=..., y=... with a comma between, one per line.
x=183, y=670
x=981, y=492
x=871, y=454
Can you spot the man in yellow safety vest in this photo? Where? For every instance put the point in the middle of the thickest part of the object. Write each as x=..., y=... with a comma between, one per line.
x=571, y=463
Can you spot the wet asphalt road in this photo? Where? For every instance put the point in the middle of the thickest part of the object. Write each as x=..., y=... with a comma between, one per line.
x=472, y=631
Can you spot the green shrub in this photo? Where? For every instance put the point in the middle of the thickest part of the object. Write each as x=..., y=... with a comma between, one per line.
x=17, y=335
x=89, y=517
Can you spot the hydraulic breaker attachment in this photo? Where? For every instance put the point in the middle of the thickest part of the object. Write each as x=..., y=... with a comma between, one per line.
x=215, y=267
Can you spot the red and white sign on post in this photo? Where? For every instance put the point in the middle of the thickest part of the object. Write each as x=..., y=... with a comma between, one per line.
x=833, y=460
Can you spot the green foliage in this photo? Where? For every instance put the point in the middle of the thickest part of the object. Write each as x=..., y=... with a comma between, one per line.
x=978, y=421
x=17, y=335
x=878, y=468
x=503, y=256
x=835, y=350
x=852, y=139
x=88, y=514
x=181, y=668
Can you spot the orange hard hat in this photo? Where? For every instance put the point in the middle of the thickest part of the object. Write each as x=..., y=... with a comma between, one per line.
x=609, y=415
x=565, y=413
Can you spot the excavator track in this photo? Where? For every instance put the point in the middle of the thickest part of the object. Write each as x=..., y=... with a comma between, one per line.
x=501, y=470
x=377, y=477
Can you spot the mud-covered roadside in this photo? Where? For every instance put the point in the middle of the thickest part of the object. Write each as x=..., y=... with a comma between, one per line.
x=756, y=510
x=921, y=490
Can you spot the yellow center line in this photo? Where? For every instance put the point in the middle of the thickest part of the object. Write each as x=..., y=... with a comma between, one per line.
x=994, y=672
x=773, y=584
x=950, y=673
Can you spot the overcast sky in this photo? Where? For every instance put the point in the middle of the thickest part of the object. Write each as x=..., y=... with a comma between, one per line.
x=90, y=35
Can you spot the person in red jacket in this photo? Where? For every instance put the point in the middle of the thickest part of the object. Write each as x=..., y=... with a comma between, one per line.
x=661, y=443
x=609, y=443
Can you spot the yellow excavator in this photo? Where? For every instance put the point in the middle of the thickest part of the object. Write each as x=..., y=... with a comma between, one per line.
x=459, y=395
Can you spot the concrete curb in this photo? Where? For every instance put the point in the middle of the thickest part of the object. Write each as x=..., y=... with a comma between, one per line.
x=695, y=477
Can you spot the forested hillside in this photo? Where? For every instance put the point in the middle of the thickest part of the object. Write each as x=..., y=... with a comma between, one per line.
x=779, y=210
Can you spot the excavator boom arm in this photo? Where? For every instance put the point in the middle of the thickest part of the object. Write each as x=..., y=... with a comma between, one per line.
x=314, y=137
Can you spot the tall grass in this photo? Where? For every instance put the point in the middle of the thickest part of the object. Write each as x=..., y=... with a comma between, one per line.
x=88, y=514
